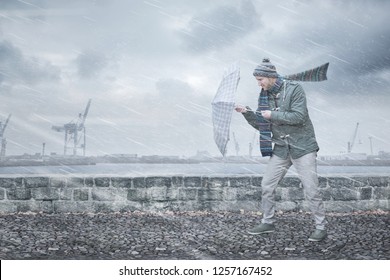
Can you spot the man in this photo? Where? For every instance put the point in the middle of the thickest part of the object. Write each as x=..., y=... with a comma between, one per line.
x=287, y=136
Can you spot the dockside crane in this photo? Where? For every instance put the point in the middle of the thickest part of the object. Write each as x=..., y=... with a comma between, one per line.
x=352, y=142
x=251, y=144
x=236, y=145
x=3, y=140
x=75, y=132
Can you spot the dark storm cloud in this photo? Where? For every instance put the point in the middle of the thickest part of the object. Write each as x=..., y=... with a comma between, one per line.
x=368, y=54
x=90, y=64
x=361, y=54
x=220, y=27
x=16, y=68
x=367, y=43
x=349, y=34
x=361, y=38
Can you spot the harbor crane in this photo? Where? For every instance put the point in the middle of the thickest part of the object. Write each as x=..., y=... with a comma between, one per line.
x=3, y=140
x=75, y=133
x=352, y=142
x=251, y=144
x=236, y=145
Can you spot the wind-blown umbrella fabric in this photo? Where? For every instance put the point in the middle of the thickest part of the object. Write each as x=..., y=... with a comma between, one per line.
x=223, y=105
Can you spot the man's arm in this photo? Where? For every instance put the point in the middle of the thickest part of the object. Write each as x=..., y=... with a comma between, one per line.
x=248, y=114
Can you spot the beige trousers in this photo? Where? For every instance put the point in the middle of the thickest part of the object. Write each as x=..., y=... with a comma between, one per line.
x=306, y=167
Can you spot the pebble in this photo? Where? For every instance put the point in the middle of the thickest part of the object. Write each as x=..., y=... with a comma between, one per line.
x=160, y=249
x=190, y=235
x=289, y=249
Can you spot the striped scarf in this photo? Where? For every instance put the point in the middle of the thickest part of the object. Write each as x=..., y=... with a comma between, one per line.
x=265, y=125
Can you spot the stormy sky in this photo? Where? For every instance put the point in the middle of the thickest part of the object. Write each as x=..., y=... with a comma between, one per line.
x=153, y=67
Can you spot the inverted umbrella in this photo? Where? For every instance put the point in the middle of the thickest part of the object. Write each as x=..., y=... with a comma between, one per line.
x=223, y=105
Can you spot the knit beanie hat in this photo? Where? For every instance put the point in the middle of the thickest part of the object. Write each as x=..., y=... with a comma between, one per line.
x=266, y=69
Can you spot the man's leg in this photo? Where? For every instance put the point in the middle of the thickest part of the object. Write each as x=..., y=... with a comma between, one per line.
x=276, y=170
x=306, y=167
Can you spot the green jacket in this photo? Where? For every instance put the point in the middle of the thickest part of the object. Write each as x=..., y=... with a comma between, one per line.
x=292, y=130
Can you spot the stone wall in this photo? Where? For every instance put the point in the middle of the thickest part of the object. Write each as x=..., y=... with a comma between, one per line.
x=108, y=194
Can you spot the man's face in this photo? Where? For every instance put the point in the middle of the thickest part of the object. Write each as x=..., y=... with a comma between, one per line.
x=265, y=83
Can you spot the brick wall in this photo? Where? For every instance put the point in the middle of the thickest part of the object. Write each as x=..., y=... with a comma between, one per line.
x=107, y=194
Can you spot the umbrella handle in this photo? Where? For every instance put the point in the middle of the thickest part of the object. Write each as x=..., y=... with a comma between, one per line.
x=257, y=111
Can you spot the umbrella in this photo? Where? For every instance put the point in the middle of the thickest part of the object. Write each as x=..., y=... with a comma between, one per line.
x=223, y=105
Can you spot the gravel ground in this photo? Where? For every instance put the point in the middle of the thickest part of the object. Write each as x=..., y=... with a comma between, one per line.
x=190, y=236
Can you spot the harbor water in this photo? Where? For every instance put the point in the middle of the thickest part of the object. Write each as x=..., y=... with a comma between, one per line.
x=198, y=169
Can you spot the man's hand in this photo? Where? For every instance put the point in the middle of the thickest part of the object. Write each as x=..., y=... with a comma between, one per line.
x=266, y=114
x=241, y=109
